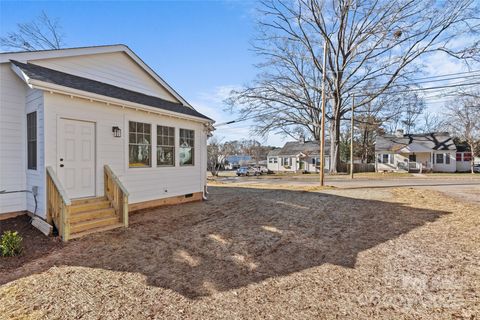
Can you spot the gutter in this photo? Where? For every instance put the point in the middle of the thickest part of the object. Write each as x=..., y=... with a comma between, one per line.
x=54, y=88
x=63, y=90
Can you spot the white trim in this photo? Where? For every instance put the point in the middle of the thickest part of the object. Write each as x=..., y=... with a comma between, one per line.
x=53, y=88
x=25, y=56
x=21, y=74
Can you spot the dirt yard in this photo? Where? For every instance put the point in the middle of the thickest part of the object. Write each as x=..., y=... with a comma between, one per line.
x=251, y=253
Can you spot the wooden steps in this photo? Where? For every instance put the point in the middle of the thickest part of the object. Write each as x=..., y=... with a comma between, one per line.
x=92, y=215
x=94, y=230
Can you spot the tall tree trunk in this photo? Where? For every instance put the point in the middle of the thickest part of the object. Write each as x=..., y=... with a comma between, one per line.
x=472, y=159
x=334, y=145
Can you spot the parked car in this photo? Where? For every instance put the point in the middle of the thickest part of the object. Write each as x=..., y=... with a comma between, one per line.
x=247, y=171
x=476, y=168
x=261, y=169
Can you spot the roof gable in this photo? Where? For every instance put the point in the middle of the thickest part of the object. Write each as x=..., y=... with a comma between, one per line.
x=40, y=76
x=109, y=64
x=296, y=148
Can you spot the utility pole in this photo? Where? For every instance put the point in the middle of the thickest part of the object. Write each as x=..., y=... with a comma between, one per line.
x=322, y=135
x=351, y=138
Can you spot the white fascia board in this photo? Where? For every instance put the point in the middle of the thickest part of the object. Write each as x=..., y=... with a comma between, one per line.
x=21, y=74
x=111, y=101
x=154, y=75
x=26, y=56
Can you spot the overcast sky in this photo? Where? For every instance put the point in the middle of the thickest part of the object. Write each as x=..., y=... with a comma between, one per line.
x=201, y=48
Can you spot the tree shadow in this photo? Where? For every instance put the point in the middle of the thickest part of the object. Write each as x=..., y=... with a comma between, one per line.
x=241, y=236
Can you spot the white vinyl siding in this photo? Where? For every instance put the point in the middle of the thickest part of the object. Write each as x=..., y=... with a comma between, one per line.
x=115, y=68
x=12, y=140
x=37, y=177
x=444, y=161
x=143, y=184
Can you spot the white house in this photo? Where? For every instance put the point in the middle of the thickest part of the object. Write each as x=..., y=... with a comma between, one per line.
x=297, y=156
x=95, y=133
x=431, y=152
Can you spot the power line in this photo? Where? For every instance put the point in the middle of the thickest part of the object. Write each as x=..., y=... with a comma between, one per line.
x=428, y=89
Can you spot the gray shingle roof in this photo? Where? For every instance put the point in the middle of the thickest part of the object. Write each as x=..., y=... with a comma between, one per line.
x=79, y=83
x=274, y=152
x=293, y=148
x=433, y=141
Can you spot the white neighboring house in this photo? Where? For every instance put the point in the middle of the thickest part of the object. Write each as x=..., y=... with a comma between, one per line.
x=431, y=152
x=97, y=124
x=297, y=156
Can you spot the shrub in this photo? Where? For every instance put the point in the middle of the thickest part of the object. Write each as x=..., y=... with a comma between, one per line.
x=11, y=244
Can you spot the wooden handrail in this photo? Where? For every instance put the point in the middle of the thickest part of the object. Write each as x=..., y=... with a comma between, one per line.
x=58, y=205
x=117, y=194
x=116, y=180
x=58, y=185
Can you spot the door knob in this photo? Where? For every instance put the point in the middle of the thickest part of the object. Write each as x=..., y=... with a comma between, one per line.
x=61, y=166
x=61, y=159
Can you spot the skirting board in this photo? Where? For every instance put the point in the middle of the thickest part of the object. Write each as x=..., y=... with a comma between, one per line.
x=8, y=215
x=164, y=202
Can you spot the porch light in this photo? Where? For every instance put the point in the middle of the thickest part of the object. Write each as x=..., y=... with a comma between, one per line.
x=117, y=132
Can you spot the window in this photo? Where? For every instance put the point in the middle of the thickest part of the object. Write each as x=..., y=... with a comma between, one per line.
x=467, y=156
x=187, y=147
x=165, y=146
x=139, y=144
x=459, y=156
x=32, y=140
x=386, y=158
x=447, y=158
x=439, y=158
x=285, y=162
x=272, y=160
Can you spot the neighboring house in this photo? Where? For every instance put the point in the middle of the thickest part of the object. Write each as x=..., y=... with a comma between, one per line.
x=464, y=158
x=431, y=152
x=96, y=124
x=297, y=156
x=236, y=161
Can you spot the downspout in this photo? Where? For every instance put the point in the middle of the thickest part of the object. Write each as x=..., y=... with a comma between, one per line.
x=205, y=192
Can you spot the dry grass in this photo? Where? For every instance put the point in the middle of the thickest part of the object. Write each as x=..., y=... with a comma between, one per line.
x=265, y=253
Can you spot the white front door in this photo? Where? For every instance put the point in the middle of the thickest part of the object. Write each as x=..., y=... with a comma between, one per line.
x=76, y=157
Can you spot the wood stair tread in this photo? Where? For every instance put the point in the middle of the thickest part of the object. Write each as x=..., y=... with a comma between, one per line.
x=94, y=230
x=82, y=216
x=81, y=201
x=93, y=223
x=90, y=206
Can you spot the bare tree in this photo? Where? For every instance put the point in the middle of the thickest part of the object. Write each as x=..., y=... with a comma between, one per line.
x=43, y=33
x=464, y=122
x=284, y=98
x=215, y=156
x=372, y=47
x=431, y=123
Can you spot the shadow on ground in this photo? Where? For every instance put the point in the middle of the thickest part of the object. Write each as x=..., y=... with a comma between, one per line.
x=239, y=237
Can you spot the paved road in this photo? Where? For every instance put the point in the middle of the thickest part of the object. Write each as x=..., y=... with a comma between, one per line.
x=463, y=187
